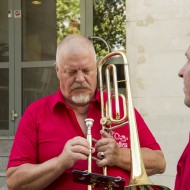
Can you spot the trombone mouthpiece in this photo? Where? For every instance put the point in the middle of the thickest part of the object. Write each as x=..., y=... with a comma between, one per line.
x=89, y=122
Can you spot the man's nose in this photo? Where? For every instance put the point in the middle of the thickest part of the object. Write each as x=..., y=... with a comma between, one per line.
x=80, y=76
x=181, y=71
x=180, y=74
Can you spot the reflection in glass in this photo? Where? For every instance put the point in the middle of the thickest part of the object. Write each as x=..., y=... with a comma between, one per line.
x=4, y=99
x=109, y=23
x=45, y=24
x=4, y=48
x=38, y=30
x=36, y=83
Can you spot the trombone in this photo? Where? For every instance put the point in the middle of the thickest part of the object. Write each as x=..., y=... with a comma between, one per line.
x=139, y=179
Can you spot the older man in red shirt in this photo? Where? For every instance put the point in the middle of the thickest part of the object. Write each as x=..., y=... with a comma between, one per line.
x=183, y=168
x=51, y=138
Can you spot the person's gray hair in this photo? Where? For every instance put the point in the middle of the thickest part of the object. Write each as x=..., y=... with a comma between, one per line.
x=72, y=43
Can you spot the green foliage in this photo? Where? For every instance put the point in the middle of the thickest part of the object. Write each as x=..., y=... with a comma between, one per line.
x=68, y=18
x=109, y=24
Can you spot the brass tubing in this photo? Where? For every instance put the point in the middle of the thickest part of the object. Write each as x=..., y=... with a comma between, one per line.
x=115, y=87
x=89, y=123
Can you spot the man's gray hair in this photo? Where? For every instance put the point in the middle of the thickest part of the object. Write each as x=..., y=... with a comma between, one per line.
x=74, y=42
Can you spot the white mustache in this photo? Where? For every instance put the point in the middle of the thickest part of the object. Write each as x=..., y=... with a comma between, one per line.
x=79, y=85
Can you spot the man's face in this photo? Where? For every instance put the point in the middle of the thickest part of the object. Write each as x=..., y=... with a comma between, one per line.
x=185, y=74
x=77, y=74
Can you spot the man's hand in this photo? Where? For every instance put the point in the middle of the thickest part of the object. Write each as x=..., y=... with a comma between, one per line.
x=108, y=150
x=75, y=149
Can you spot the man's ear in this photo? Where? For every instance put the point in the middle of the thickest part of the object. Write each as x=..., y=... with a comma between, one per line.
x=56, y=69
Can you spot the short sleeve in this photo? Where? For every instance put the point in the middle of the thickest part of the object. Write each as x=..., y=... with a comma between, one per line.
x=24, y=149
x=146, y=137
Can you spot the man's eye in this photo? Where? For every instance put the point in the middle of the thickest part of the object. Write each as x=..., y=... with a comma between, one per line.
x=86, y=71
x=70, y=73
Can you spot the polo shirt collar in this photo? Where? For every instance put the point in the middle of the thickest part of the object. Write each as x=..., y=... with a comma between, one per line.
x=59, y=99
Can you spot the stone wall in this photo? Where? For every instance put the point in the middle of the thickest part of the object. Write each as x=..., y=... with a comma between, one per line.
x=158, y=34
x=5, y=147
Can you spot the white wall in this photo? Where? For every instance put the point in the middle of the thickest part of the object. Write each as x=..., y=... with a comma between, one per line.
x=158, y=34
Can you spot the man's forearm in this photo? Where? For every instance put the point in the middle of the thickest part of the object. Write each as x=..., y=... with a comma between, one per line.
x=30, y=176
x=154, y=161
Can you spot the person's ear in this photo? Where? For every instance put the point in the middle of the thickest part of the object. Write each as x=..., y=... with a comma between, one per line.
x=57, y=69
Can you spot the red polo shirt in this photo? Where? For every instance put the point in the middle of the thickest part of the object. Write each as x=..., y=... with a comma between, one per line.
x=183, y=170
x=49, y=123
